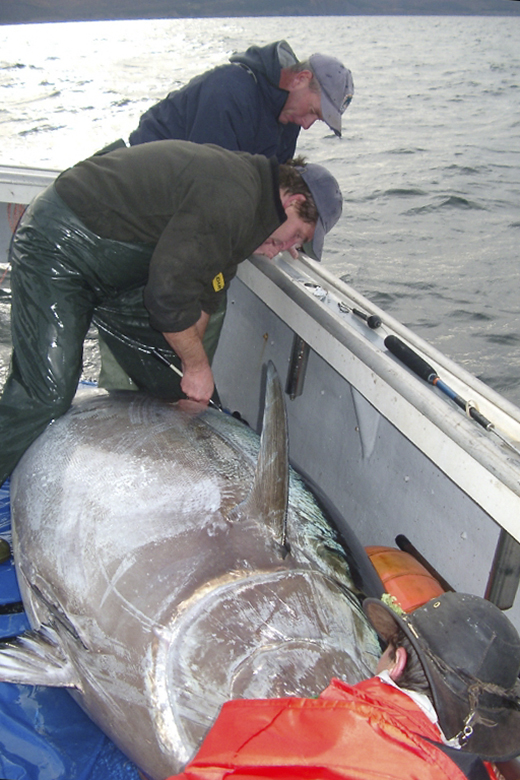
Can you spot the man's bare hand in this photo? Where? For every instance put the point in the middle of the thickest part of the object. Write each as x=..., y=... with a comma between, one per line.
x=197, y=384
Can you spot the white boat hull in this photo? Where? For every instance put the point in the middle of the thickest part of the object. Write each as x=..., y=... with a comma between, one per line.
x=392, y=453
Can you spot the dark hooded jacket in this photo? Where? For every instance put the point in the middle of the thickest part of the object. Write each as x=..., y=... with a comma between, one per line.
x=200, y=209
x=235, y=106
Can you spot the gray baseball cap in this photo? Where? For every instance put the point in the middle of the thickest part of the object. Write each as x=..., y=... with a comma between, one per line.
x=327, y=196
x=337, y=88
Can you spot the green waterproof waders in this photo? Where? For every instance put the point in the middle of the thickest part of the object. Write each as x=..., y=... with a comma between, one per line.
x=63, y=278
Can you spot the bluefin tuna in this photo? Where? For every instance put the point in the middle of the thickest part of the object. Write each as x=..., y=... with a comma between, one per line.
x=170, y=560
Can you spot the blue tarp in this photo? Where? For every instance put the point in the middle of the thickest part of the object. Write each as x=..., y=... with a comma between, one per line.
x=44, y=734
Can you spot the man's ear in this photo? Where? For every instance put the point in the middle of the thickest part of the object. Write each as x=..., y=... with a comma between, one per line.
x=300, y=79
x=401, y=657
x=287, y=199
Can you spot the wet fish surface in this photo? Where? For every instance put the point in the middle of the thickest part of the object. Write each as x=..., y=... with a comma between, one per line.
x=169, y=560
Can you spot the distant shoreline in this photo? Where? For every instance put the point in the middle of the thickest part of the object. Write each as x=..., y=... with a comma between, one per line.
x=40, y=11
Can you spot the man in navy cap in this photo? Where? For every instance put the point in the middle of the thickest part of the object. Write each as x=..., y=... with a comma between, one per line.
x=258, y=103
x=143, y=242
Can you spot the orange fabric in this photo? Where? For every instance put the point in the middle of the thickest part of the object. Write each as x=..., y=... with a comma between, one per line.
x=404, y=577
x=370, y=731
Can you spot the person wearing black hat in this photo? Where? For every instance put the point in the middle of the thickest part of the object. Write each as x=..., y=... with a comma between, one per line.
x=444, y=705
x=464, y=655
x=143, y=242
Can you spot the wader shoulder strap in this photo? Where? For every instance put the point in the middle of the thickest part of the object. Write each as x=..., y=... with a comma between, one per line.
x=468, y=763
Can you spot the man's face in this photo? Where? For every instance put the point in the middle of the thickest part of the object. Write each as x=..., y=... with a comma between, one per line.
x=303, y=106
x=291, y=235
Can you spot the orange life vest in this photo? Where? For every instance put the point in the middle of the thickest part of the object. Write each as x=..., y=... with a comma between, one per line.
x=363, y=732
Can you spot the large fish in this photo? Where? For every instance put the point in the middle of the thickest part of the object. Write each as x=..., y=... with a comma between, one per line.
x=168, y=561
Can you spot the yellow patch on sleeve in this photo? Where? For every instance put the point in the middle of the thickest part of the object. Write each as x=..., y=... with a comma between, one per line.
x=218, y=282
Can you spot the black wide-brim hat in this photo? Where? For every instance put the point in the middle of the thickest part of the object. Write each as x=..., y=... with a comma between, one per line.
x=470, y=653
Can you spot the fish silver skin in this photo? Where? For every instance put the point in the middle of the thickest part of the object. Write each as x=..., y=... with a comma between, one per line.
x=168, y=562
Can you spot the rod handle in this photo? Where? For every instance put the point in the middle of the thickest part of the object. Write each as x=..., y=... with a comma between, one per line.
x=480, y=419
x=410, y=358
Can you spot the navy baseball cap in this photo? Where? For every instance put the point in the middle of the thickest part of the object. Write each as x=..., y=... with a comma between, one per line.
x=327, y=196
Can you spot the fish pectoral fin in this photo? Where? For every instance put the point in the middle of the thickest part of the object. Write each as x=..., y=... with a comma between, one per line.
x=269, y=494
x=37, y=658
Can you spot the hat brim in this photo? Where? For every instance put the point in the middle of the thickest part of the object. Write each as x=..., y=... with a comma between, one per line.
x=330, y=113
x=326, y=194
x=495, y=732
x=314, y=248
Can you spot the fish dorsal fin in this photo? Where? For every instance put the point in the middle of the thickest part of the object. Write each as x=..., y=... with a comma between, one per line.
x=36, y=658
x=270, y=491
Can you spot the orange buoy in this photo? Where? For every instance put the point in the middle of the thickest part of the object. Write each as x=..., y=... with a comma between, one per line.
x=404, y=577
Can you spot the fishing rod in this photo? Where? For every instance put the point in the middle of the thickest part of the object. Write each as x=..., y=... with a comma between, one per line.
x=372, y=320
x=423, y=370
x=163, y=359
x=157, y=354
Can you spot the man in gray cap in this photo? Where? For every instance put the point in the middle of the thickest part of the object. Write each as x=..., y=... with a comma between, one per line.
x=258, y=103
x=143, y=241
x=444, y=705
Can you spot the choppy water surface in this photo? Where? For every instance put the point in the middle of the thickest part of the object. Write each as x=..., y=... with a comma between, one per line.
x=429, y=162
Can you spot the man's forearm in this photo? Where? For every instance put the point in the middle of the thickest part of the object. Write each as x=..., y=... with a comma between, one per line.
x=197, y=381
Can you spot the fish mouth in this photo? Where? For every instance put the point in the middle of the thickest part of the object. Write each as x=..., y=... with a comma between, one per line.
x=266, y=635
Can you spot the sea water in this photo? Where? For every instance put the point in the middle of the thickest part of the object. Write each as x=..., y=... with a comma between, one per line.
x=429, y=161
